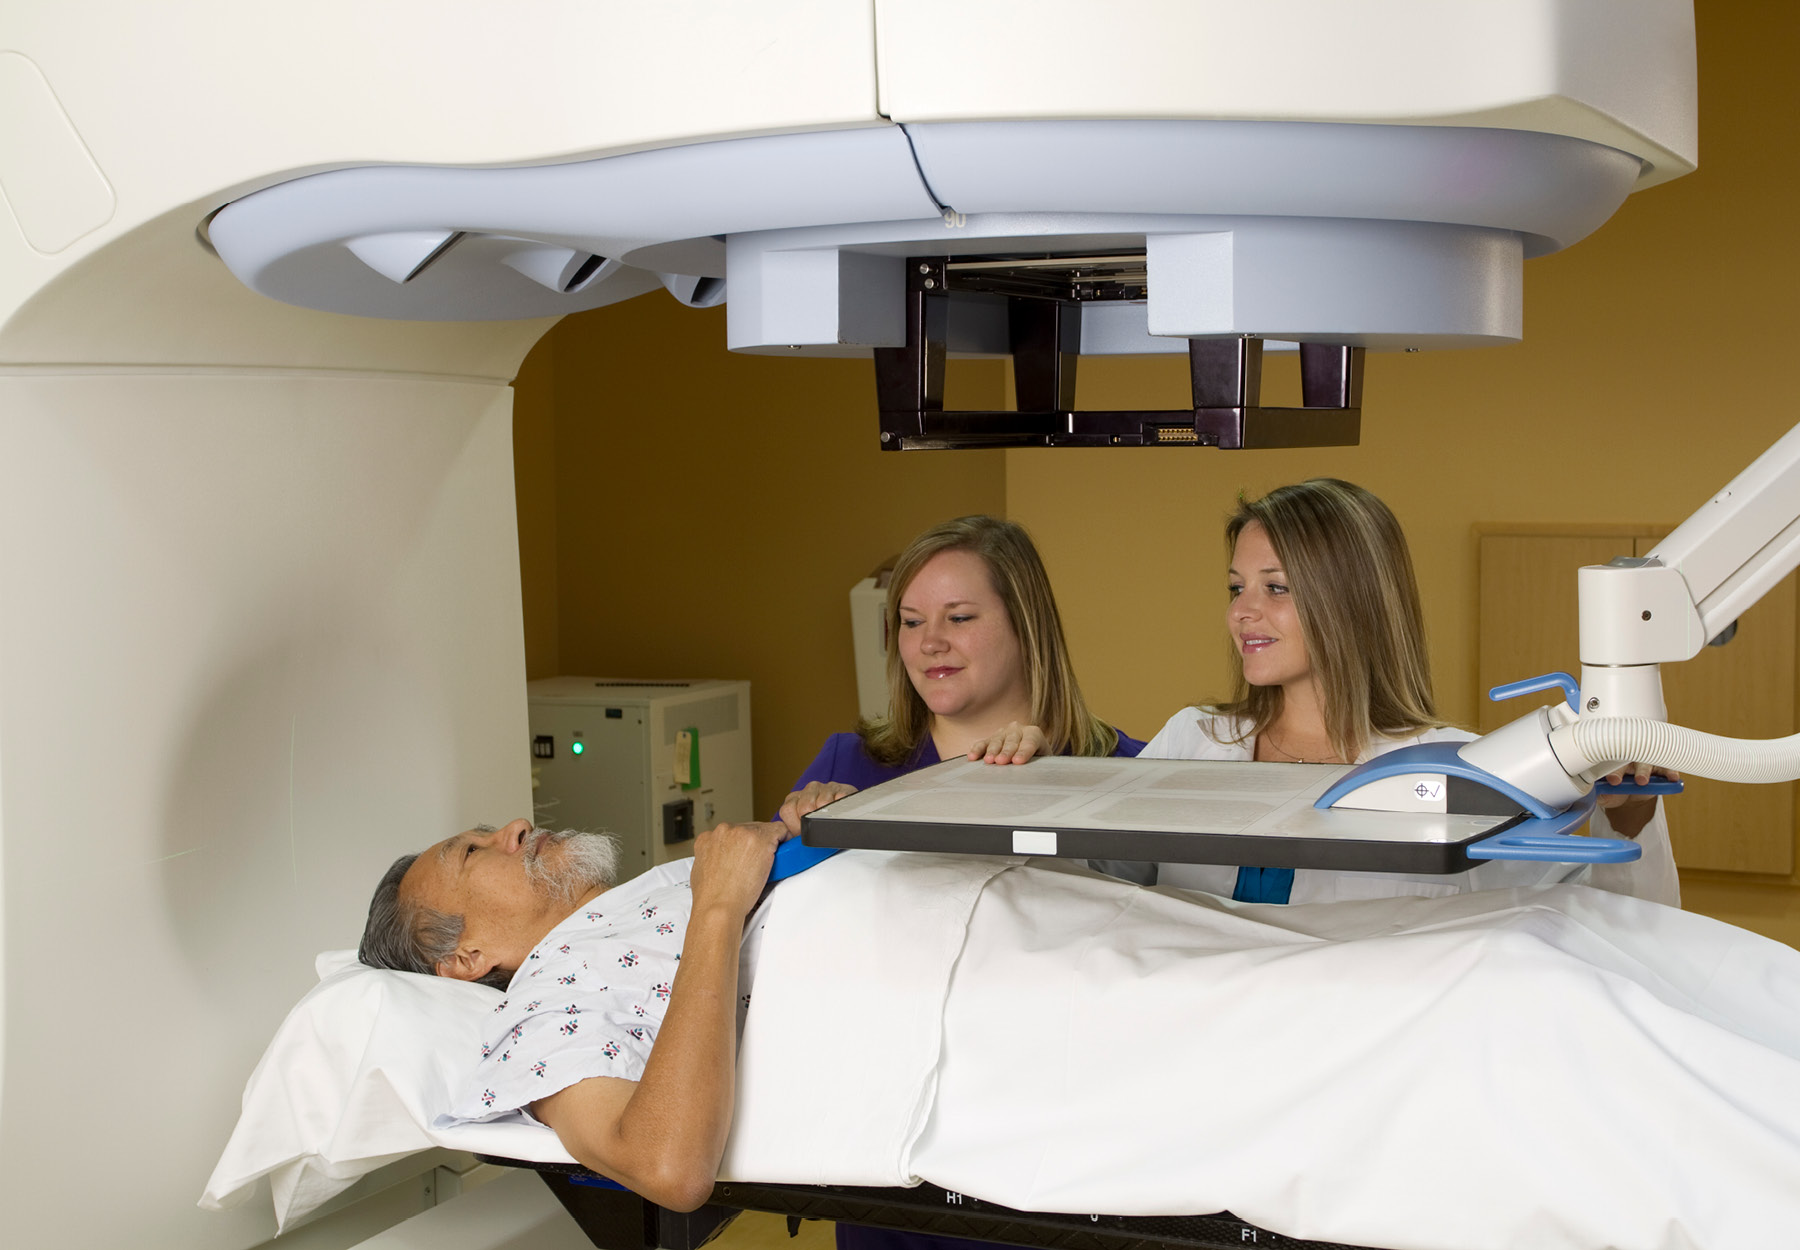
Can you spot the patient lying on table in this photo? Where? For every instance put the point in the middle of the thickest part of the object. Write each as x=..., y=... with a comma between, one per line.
x=591, y=978
x=1557, y=1067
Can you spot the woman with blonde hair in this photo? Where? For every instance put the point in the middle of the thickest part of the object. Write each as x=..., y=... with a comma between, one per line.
x=975, y=646
x=1323, y=559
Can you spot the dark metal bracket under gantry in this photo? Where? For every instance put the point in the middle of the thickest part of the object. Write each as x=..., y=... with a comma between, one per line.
x=1044, y=297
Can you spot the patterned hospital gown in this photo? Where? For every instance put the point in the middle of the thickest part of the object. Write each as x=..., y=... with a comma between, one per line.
x=589, y=999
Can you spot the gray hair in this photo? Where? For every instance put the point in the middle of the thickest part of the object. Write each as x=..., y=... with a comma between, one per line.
x=410, y=938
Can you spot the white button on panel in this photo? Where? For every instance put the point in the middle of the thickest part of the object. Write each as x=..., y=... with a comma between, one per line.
x=1034, y=842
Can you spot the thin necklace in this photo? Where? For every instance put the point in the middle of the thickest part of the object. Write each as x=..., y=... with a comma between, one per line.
x=1291, y=757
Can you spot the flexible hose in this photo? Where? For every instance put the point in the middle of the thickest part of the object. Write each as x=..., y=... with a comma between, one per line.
x=1601, y=739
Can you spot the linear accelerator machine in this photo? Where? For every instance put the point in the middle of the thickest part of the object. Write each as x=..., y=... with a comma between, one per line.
x=262, y=627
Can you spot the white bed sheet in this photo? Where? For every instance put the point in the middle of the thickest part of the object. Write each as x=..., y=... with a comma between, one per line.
x=1559, y=1068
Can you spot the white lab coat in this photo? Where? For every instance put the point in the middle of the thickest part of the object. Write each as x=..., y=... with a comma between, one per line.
x=1198, y=734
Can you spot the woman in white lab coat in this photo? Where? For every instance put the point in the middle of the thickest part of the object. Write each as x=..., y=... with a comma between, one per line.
x=1328, y=641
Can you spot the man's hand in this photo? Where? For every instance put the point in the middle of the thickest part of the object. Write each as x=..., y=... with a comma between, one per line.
x=810, y=798
x=731, y=865
x=1629, y=813
x=1015, y=744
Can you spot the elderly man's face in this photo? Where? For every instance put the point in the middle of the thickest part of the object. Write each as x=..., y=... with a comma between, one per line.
x=510, y=886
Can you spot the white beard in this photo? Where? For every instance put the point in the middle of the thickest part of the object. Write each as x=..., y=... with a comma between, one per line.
x=589, y=862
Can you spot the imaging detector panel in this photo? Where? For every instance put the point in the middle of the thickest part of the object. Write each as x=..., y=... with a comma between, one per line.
x=1191, y=811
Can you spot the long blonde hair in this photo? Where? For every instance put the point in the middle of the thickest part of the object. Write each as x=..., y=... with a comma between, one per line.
x=1017, y=576
x=1351, y=578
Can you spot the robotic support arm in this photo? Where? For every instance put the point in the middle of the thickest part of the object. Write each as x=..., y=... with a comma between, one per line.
x=1639, y=613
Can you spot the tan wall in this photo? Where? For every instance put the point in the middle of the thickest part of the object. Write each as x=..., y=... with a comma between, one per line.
x=712, y=511
x=534, y=469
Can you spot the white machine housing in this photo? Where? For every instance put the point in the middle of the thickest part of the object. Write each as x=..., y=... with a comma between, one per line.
x=1330, y=193
x=624, y=780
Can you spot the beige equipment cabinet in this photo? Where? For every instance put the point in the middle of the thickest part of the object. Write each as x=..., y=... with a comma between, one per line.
x=609, y=754
x=1744, y=689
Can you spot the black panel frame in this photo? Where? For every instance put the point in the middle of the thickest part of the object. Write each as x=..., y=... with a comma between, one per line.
x=1331, y=854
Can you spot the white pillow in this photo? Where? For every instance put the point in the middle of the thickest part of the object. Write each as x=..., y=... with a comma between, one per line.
x=352, y=1081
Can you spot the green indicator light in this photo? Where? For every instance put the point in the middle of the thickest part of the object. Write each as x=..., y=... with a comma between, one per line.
x=576, y=747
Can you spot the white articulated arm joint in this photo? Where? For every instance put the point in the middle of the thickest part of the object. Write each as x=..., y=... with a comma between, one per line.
x=1636, y=615
x=1636, y=612
x=1739, y=544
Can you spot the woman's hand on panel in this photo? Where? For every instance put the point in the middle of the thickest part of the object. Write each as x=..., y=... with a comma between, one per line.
x=1629, y=813
x=1015, y=744
x=810, y=798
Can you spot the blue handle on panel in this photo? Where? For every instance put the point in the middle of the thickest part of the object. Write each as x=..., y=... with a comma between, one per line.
x=1656, y=785
x=1556, y=848
x=593, y=1180
x=1531, y=685
x=1547, y=838
x=794, y=856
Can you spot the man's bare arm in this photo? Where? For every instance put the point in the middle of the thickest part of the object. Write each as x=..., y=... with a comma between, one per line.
x=663, y=1135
